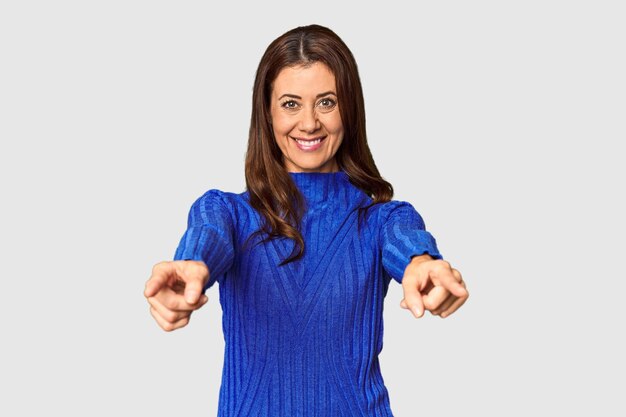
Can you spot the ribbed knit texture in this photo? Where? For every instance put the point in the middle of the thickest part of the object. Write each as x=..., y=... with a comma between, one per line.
x=303, y=339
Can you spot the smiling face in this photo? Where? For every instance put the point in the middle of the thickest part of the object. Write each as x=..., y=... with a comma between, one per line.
x=305, y=118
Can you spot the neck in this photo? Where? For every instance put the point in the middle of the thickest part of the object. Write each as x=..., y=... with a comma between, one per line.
x=330, y=166
x=321, y=186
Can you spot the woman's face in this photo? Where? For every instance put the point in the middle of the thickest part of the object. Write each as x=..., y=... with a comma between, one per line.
x=305, y=118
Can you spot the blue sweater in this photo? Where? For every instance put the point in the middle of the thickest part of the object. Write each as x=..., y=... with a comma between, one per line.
x=303, y=339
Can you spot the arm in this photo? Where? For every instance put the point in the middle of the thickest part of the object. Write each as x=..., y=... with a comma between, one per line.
x=404, y=237
x=204, y=253
x=209, y=236
x=411, y=257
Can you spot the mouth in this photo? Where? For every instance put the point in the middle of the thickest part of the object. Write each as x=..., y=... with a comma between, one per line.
x=309, y=144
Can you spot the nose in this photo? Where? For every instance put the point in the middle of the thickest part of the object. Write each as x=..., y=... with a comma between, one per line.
x=309, y=121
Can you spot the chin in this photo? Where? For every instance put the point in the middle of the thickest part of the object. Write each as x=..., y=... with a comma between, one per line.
x=312, y=167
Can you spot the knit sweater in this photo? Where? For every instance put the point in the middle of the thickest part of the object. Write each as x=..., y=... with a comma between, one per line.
x=303, y=339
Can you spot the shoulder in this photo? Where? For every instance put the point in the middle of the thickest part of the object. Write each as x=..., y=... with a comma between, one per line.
x=216, y=196
x=215, y=202
x=393, y=207
x=236, y=204
x=399, y=210
x=212, y=198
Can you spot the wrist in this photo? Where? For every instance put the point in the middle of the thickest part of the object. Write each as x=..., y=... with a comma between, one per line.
x=416, y=259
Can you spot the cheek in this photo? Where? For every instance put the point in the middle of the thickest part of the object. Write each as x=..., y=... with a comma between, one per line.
x=335, y=126
x=281, y=125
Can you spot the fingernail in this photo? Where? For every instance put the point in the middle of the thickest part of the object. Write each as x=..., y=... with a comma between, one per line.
x=205, y=298
x=416, y=310
x=191, y=297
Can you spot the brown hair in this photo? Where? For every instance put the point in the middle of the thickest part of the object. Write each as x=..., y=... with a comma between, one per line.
x=272, y=191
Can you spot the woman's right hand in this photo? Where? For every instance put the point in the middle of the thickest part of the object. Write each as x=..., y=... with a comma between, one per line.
x=174, y=291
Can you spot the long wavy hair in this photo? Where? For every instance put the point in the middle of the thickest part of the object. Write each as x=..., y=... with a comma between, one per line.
x=271, y=189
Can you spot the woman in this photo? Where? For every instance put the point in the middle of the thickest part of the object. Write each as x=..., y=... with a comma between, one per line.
x=304, y=257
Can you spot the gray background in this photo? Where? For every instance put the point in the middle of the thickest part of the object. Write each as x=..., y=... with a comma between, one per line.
x=499, y=121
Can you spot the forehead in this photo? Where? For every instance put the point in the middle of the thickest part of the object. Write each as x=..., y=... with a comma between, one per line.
x=303, y=81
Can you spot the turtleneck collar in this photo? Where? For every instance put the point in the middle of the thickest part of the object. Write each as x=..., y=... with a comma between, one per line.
x=322, y=186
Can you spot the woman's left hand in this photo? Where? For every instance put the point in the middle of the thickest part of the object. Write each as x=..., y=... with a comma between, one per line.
x=433, y=285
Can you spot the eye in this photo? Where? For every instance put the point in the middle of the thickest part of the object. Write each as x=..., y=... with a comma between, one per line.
x=289, y=104
x=327, y=103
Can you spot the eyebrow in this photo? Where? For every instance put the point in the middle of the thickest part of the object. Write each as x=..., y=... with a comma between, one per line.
x=317, y=96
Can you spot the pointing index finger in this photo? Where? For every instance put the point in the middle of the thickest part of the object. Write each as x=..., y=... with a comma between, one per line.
x=157, y=280
x=450, y=283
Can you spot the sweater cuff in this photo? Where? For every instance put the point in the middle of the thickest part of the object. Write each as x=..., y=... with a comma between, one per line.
x=207, y=244
x=400, y=251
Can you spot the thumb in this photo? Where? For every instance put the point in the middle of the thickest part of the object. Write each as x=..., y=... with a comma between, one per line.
x=413, y=301
x=194, y=278
x=193, y=289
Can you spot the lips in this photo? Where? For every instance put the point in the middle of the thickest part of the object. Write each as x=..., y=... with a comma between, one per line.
x=309, y=144
x=309, y=141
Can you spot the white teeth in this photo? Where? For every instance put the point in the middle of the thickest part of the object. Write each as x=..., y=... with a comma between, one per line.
x=308, y=142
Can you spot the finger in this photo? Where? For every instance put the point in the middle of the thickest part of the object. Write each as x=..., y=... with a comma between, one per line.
x=435, y=297
x=458, y=303
x=429, y=286
x=193, y=291
x=418, y=306
x=452, y=298
x=447, y=279
x=165, y=325
x=450, y=305
x=194, y=274
x=412, y=296
x=160, y=274
x=167, y=315
x=457, y=275
x=454, y=306
x=445, y=305
x=404, y=305
x=175, y=301
x=172, y=316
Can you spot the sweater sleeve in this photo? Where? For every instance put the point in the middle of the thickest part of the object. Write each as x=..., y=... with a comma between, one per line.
x=403, y=235
x=209, y=235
